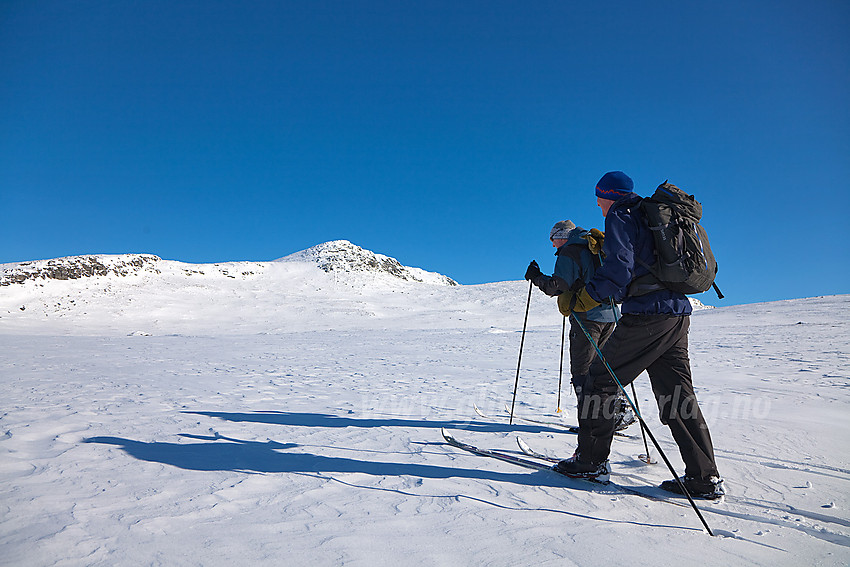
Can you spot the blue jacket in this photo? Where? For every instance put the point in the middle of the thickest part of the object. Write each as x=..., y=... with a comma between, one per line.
x=570, y=271
x=627, y=236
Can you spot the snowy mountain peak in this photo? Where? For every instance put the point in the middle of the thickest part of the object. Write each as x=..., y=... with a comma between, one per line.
x=342, y=256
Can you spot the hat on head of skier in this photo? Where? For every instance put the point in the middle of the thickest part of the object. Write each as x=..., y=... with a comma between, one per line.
x=562, y=230
x=614, y=185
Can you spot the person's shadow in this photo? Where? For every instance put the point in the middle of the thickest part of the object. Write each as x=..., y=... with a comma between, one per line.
x=217, y=453
x=223, y=453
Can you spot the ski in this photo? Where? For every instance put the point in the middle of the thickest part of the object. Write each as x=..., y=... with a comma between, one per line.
x=547, y=465
x=569, y=428
x=563, y=426
x=526, y=448
x=509, y=458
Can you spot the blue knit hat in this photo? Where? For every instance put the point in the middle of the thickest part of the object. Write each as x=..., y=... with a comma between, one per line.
x=614, y=185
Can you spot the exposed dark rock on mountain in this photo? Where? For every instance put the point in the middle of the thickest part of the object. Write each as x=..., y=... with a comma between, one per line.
x=76, y=267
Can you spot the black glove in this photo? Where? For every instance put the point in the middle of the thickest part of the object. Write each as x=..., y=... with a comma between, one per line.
x=533, y=271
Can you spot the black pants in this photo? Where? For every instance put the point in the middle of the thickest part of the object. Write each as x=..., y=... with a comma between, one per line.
x=659, y=345
x=582, y=352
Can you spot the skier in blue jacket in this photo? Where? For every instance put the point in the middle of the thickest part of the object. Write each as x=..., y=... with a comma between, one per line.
x=574, y=267
x=652, y=335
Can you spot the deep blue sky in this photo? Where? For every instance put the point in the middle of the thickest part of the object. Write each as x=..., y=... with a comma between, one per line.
x=450, y=135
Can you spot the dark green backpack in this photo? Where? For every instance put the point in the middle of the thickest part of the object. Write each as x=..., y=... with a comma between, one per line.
x=683, y=258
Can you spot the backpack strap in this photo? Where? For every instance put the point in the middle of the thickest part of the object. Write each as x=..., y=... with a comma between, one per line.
x=648, y=282
x=574, y=252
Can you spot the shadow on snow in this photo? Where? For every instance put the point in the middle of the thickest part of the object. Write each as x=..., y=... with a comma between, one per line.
x=328, y=420
x=227, y=454
x=218, y=453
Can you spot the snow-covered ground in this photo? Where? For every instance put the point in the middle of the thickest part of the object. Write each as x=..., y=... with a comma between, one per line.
x=258, y=413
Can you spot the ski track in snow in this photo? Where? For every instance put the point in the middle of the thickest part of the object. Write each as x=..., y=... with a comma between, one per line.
x=238, y=422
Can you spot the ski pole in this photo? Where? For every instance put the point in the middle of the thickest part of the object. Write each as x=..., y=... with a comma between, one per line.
x=521, y=343
x=648, y=431
x=561, y=368
x=648, y=460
